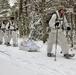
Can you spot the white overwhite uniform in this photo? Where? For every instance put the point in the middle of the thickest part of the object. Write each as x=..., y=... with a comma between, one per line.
x=61, y=36
x=12, y=32
x=2, y=33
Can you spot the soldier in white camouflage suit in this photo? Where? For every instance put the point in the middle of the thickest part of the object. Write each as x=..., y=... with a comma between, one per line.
x=2, y=31
x=12, y=29
x=53, y=24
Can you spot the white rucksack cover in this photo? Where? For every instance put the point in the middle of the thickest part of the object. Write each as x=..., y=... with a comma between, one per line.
x=28, y=46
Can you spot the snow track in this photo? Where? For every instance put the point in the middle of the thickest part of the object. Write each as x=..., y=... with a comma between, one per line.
x=17, y=62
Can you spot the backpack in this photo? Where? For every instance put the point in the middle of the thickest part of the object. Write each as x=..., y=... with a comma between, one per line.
x=49, y=16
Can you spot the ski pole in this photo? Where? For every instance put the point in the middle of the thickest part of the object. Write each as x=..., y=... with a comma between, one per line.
x=71, y=31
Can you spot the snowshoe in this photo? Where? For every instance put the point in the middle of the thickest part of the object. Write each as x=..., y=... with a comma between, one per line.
x=68, y=56
x=0, y=43
x=50, y=55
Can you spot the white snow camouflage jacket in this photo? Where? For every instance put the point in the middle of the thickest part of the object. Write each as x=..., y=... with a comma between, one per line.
x=12, y=26
x=53, y=21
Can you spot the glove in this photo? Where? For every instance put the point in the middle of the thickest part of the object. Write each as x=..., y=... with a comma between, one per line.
x=8, y=27
x=57, y=23
x=68, y=28
x=16, y=28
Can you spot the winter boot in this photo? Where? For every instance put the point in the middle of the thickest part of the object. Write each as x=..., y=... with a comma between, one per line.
x=15, y=45
x=68, y=56
x=8, y=44
x=50, y=55
x=0, y=42
x=5, y=43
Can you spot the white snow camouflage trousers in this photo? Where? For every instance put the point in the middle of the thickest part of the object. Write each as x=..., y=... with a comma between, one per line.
x=1, y=35
x=12, y=35
x=62, y=40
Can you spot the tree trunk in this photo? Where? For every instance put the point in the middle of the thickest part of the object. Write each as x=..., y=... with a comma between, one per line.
x=75, y=25
x=20, y=18
x=43, y=21
x=26, y=19
x=43, y=16
x=75, y=17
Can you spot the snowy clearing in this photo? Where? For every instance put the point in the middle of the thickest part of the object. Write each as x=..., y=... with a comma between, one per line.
x=18, y=62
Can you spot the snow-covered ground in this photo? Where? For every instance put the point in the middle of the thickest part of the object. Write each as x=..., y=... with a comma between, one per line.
x=18, y=62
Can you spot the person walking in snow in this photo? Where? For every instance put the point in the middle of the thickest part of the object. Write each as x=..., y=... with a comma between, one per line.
x=2, y=30
x=4, y=22
x=58, y=21
x=12, y=28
